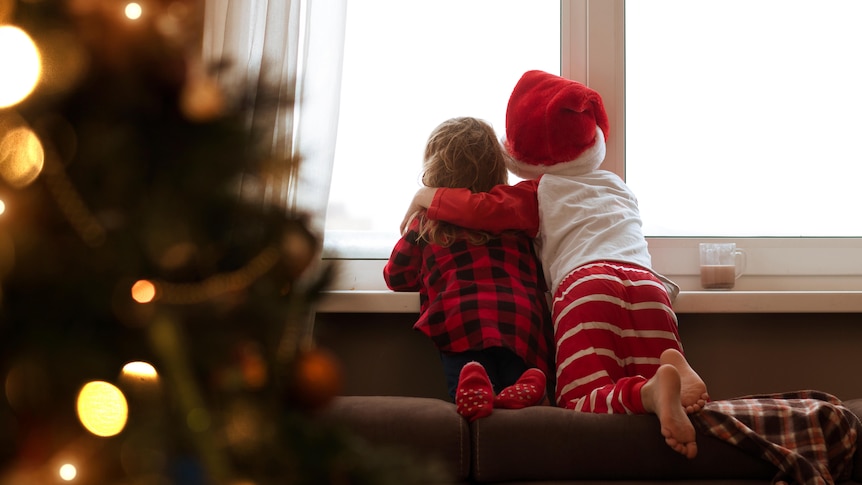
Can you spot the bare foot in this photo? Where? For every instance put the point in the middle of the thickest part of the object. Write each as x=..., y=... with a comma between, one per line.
x=693, y=394
x=661, y=395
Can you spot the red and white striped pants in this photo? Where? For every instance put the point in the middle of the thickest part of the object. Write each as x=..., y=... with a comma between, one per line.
x=612, y=321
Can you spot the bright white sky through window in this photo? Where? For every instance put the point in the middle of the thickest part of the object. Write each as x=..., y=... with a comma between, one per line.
x=743, y=117
x=408, y=66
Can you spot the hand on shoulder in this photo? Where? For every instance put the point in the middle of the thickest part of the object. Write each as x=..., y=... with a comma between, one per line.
x=421, y=201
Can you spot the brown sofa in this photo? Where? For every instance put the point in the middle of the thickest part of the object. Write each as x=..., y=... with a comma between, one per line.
x=548, y=445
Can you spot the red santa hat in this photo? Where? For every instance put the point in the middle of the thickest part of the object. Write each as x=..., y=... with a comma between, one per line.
x=554, y=125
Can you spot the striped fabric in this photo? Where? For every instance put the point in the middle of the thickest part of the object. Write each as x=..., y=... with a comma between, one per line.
x=612, y=321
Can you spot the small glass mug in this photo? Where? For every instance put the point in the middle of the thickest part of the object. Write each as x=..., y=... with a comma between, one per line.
x=720, y=265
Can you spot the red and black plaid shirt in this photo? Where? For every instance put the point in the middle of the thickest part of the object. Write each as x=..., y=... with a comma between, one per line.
x=477, y=297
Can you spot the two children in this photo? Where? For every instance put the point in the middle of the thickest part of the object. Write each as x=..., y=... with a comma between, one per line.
x=617, y=345
x=482, y=296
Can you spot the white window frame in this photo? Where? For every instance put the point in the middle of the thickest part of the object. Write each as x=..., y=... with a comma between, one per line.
x=782, y=274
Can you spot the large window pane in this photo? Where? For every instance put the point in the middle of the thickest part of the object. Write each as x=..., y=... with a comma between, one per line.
x=409, y=65
x=742, y=117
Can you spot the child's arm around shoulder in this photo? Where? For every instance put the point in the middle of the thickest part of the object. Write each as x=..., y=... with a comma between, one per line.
x=505, y=207
x=421, y=201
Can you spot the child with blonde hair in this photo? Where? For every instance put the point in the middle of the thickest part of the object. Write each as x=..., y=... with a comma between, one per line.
x=482, y=295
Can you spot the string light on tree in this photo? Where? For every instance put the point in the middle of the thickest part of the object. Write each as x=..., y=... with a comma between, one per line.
x=22, y=157
x=102, y=408
x=135, y=233
x=133, y=11
x=20, y=63
x=140, y=370
x=139, y=377
x=202, y=99
x=143, y=291
x=68, y=472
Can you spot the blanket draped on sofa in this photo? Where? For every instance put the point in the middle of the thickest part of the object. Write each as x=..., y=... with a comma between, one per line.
x=809, y=435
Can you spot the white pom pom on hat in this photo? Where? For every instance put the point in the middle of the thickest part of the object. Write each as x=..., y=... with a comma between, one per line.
x=554, y=125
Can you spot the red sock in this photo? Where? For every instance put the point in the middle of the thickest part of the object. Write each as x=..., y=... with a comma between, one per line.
x=474, y=395
x=528, y=390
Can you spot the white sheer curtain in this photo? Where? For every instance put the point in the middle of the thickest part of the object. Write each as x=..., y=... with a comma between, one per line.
x=296, y=46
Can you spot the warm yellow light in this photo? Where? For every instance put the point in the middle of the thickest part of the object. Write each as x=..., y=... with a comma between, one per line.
x=68, y=472
x=21, y=156
x=102, y=408
x=2, y=207
x=139, y=380
x=202, y=99
x=143, y=291
x=140, y=369
x=20, y=63
x=133, y=11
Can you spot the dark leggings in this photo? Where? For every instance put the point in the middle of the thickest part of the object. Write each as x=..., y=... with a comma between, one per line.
x=502, y=365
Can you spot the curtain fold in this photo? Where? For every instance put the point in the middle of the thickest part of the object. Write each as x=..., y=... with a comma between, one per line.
x=296, y=47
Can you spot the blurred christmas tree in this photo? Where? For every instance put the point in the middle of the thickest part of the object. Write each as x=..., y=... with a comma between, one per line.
x=153, y=323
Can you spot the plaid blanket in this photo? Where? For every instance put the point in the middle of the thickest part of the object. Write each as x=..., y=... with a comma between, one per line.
x=809, y=435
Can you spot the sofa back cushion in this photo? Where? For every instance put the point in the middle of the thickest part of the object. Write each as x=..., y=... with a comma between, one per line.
x=549, y=443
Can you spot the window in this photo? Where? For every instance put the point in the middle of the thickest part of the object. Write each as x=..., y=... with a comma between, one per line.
x=594, y=50
x=742, y=117
x=408, y=66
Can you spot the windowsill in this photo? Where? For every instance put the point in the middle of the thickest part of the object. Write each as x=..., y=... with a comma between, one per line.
x=730, y=301
x=768, y=302
x=783, y=275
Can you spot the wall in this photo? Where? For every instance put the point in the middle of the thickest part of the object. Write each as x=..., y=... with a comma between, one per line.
x=758, y=353
x=737, y=354
x=381, y=354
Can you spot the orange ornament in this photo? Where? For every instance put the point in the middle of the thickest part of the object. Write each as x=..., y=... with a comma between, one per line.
x=314, y=379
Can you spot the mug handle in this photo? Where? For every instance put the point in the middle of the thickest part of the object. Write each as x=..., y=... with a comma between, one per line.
x=739, y=255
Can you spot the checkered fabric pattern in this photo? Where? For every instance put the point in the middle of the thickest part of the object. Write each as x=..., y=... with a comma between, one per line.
x=476, y=297
x=809, y=435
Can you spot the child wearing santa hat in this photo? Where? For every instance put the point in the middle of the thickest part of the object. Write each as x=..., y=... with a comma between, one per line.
x=617, y=345
x=482, y=296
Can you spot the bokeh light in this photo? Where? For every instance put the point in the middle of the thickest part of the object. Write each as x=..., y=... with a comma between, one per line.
x=143, y=291
x=102, y=408
x=139, y=380
x=202, y=99
x=140, y=370
x=21, y=156
x=68, y=472
x=133, y=11
x=20, y=63
x=2, y=207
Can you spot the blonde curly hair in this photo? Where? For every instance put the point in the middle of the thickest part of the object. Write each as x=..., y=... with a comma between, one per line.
x=461, y=152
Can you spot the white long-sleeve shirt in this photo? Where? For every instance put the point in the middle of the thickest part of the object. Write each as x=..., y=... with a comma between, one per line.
x=576, y=220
